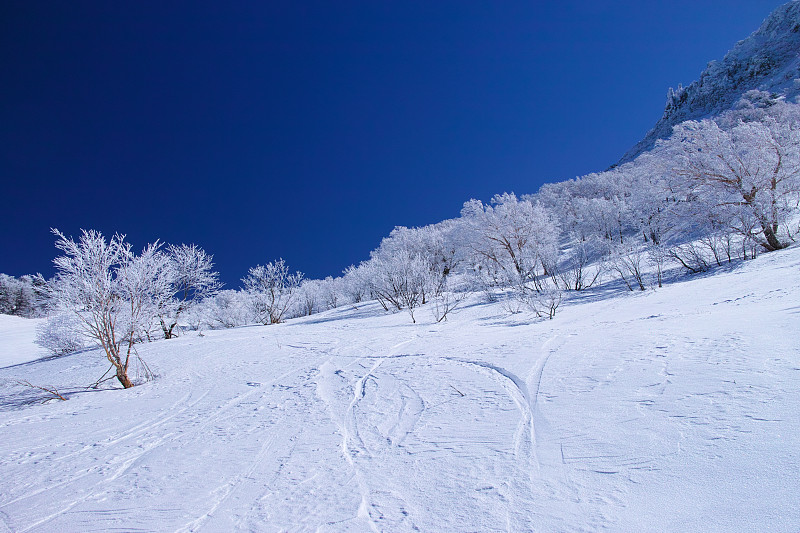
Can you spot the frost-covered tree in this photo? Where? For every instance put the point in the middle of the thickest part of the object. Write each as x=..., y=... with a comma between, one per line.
x=400, y=280
x=628, y=261
x=310, y=298
x=580, y=267
x=13, y=297
x=751, y=171
x=143, y=283
x=24, y=296
x=355, y=283
x=512, y=239
x=272, y=289
x=653, y=199
x=411, y=266
x=107, y=290
x=546, y=301
x=604, y=218
x=331, y=291
x=192, y=280
x=226, y=309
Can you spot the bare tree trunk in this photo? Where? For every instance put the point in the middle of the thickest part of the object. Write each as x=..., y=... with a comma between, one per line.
x=112, y=353
x=773, y=243
x=123, y=378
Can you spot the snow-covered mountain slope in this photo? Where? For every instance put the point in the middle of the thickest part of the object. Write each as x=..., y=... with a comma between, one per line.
x=667, y=410
x=768, y=60
x=17, y=337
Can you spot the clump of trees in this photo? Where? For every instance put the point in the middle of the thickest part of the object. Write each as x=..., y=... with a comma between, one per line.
x=412, y=267
x=514, y=244
x=745, y=178
x=716, y=191
x=24, y=296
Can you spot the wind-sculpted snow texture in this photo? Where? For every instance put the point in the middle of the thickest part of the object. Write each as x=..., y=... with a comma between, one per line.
x=768, y=60
x=668, y=410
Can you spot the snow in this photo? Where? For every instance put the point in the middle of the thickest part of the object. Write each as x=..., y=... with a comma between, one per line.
x=668, y=410
x=17, y=337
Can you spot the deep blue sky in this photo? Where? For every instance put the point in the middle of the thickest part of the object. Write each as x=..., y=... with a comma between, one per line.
x=308, y=130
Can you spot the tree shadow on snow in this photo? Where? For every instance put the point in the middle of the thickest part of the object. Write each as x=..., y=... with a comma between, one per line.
x=15, y=395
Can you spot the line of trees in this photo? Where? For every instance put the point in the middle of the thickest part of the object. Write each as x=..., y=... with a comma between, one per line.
x=24, y=296
x=714, y=192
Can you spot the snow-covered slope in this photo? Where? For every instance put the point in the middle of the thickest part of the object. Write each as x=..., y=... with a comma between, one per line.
x=17, y=337
x=668, y=410
x=768, y=60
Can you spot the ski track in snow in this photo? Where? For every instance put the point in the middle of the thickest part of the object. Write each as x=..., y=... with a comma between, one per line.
x=670, y=410
x=148, y=441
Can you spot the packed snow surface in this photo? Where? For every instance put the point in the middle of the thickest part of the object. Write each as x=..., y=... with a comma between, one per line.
x=668, y=410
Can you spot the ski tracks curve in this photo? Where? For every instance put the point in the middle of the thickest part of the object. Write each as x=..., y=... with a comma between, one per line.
x=343, y=399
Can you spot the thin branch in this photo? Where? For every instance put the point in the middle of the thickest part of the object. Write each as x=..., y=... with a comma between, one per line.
x=54, y=394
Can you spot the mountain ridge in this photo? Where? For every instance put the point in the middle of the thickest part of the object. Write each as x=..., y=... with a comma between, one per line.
x=768, y=60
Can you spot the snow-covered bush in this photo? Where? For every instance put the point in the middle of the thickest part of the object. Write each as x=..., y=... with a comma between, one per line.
x=580, y=267
x=545, y=302
x=447, y=300
x=331, y=291
x=542, y=301
x=628, y=261
x=355, y=283
x=226, y=309
x=401, y=280
x=309, y=298
x=60, y=334
x=411, y=266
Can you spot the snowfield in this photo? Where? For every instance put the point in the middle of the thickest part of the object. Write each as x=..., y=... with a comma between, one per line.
x=669, y=410
x=17, y=337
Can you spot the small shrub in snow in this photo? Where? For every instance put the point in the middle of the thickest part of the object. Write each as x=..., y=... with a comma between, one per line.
x=691, y=257
x=548, y=301
x=628, y=262
x=446, y=301
x=60, y=334
x=580, y=268
x=542, y=302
